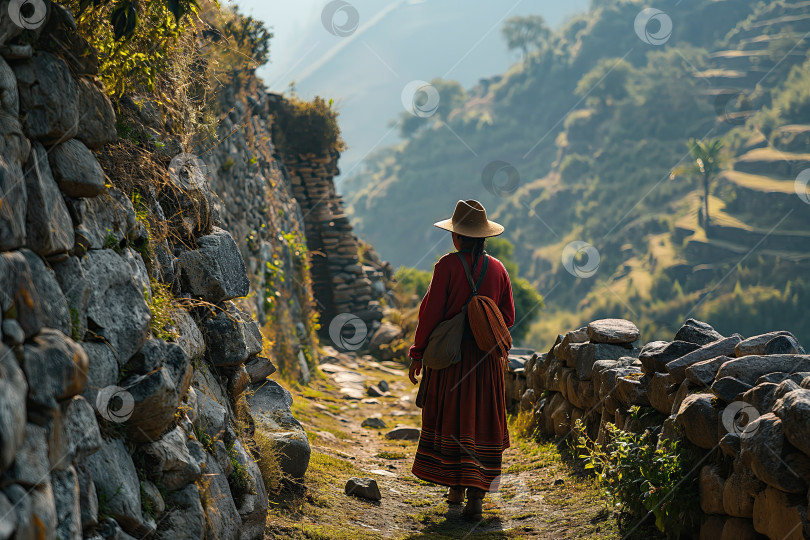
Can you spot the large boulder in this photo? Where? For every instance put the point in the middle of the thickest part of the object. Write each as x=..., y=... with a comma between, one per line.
x=703, y=373
x=562, y=349
x=794, y=411
x=97, y=127
x=271, y=406
x=18, y=294
x=47, y=221
x=739, y=491
x=102, y=371
x=168, y=461
x=757, y=344
x=699, y=420
x=654, y=356
x=48, y=98
x=583, y=356
x=76, y=290
x=186, y=517
x=105, y=221
x=55, y=313
x=779, y=515
x=661, y=392
x=710, y=490
x=231, y=337
x=728, y=388
x=79, y=427
x=772, y=458
x=31, y=463
x=697, y=332
x=612, y=331
x=13, y=217
x=163, y=379
x=722, y=347
x=13, y=391
x=76, y=170
x=116, y=309
x=66, y=500
x=253, y=504
x=215, y=271
x=57, y=364
x=117, y=485
x=632, y=389
x=750, y=368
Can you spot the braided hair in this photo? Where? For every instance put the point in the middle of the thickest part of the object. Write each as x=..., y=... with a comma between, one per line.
x=476, y=245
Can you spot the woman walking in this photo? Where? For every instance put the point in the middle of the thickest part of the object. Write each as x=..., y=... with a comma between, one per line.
x=464, y=430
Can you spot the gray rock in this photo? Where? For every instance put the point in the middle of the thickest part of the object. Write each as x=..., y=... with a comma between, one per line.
x=213, y=417
x=528, y=399
x=384, y=335
x=13, y=391
x=49, y=229
x=749, y=368
x=223, y=520
x=151, y=498
x=186, y=519
x=215, y=271
x=55, y=313
x=723, y=347
x=783, y=345
x=8, y=521
x=88, y=499
x=784, y=388
x=97, y=125
x=632, y=390
x=760, y=396
x=66, y=498
x=31, y=466
x=169, y=462
x=697, y=332
x=728, y=388
x=270, y=405
x=730, y=444
x=404, y=433
x=13, y=332
x=231, y=337
x=189, y=336
x=76, y=290
x=158, y=392
x=374, y=391
x=383, y=385
x=253, y=505
x=80, y=427
x=794, y=411
x=105, y=221
x=48, y=98
x=17, y=291
x=43, y=511
x=57, y=364
x=699, y=420
x=9, y=95
x=117, y=485
x=585, y=354
x=612, y=331
x=76, y=170
x=739, y=491
x=756, y=344
x=102, y=371
x=562, y=350
x=661, y=392
x=655, y=356
x=259, y=369
x=116, y=308
x=363, y=487
x=779, y=376
x=372, y=422
x=580, y=393
x=21, y=504
x=772, y=458
x=710, y=490
x=703, y=373
x=15, y=202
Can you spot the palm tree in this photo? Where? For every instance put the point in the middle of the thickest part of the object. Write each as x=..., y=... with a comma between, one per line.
x=707, y=161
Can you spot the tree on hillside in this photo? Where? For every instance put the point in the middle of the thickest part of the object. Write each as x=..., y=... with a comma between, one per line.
x=451, y=96
x=606, y=83
x=525, y=33
x=706, y=163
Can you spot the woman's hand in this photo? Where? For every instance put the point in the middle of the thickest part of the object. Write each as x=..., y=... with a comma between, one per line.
x=413, y=371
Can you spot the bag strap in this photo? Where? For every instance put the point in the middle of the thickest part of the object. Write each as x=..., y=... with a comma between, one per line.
x=466, y=266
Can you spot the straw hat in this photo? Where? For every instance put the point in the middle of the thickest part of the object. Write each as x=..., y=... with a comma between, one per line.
x=470, y=219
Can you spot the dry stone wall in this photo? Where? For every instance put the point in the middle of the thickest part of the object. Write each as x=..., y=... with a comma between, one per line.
x=742, y=403
x=112, y=426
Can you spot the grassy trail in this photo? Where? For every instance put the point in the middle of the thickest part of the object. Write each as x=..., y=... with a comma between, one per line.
x=541, y=497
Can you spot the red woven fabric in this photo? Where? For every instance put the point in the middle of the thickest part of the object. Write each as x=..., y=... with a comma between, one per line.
x=464, y=430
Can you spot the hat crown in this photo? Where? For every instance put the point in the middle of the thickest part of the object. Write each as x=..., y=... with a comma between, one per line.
x=469, y=213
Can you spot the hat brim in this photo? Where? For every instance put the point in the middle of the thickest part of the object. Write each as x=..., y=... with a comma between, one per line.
x=484, y=231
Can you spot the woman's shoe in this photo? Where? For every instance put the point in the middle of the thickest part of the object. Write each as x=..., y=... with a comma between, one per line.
x=455, y=495
x=475, y=502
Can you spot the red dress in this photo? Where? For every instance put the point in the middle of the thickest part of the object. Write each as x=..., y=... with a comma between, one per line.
x=464, y=430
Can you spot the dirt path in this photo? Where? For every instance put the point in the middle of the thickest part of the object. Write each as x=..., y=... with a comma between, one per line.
x=539, y=498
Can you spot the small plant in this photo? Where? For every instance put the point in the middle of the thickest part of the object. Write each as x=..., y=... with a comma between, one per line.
x=239, y=480
x=228, y=164
x=266, y=454
x=111, y=242
x=161, y=306
x=642, y=477
x=390, y=455
x=75, y=324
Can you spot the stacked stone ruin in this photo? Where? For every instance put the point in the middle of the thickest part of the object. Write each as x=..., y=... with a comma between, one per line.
x=742, y=403
x=340, y=282
x=106, y=429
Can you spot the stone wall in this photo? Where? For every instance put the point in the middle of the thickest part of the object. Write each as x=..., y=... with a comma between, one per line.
x=124, y=357
x=741, y=403
x=341, y=283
